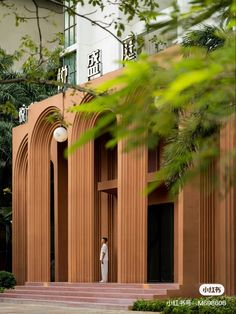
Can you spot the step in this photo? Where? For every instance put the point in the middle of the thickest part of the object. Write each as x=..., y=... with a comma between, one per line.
x=71, y=298
x=68, y=304
x=87, y=293
x=108, y=285
x=98, y=290
x=90, y=295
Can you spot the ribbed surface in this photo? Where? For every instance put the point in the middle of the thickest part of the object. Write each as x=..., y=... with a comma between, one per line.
x=132, y=215
x=81, y=207
x=188, y=236
x=207, y=225
x=38, y=239
x=20, y=212
x=226, y=211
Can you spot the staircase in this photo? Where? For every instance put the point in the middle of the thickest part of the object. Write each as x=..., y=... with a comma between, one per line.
x=87, y=295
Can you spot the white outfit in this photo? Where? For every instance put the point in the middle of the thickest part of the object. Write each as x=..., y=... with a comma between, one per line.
x=104, y=266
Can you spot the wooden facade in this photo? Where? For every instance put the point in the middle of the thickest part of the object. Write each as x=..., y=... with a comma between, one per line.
x=62, y=208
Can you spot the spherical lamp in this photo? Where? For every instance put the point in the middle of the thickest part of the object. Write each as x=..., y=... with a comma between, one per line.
x=60, y=134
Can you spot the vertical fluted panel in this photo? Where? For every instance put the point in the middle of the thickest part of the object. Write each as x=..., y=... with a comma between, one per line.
x=100, y=208
x=188, y=236
x=226, y=211
x=81, y=207
x=19, y=213
x=132, y=215
x=207, y=224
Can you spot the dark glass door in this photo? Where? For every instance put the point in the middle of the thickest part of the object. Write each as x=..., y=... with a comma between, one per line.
x=161, y=243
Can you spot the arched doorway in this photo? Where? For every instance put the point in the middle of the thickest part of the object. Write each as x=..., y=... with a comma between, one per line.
x=105, y=202
x=60, y=216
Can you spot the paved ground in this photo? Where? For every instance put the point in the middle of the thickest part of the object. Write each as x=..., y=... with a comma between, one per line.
x=8, y=308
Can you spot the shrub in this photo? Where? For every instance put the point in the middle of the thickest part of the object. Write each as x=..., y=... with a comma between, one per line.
x=1, y=290
x=7, y=280
x=152, y=305
x=207, y=305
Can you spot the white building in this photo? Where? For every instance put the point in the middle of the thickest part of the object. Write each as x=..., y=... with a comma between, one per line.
x=82, y=39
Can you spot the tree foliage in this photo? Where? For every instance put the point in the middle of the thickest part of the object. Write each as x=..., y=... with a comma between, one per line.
x=209, y=37
x=12, y=97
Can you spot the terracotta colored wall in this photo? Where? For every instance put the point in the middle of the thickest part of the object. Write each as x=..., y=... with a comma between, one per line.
x=81, y=209
x=20, y=205
x=132, y=215
x=225, y=230
x=207, y=224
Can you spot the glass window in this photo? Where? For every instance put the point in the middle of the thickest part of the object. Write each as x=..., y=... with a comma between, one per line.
x=69, y=25
x=66, y=38
x=72, y=36
x=70, y=61
x=66, y=17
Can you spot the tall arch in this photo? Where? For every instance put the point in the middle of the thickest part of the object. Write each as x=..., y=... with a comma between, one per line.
x=38, y=227
x=19, y=219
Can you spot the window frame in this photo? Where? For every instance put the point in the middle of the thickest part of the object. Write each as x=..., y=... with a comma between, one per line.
x=69, y=26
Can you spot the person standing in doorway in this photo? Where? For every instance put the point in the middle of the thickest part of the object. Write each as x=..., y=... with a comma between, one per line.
x=104, y=260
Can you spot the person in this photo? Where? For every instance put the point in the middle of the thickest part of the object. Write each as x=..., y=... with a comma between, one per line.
x=104, y=260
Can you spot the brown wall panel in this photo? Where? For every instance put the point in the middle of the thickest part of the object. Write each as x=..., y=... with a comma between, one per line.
x=132, y=215
x=39, y=208
x=19, y=216
x=81, y=208
x=225, y=232
x=188, y=236
x=207, y=223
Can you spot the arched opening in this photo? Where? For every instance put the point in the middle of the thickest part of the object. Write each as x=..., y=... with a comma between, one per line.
x=105, y=202
x=52, y=224
x=90, y=204
x=58, y=212
x=61, y=215
x=160, y=240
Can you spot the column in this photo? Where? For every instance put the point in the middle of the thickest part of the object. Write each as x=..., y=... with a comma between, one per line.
x=132, y=216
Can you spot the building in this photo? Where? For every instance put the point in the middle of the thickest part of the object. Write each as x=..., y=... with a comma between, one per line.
x=82, y=39
x=62, y=207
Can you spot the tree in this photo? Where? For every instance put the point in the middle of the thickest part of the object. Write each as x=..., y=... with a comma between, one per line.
x=12, y=96
x=5, y=225
x=209, y=37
